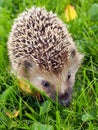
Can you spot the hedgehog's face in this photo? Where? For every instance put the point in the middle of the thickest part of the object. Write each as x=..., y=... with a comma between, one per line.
x=55, y=84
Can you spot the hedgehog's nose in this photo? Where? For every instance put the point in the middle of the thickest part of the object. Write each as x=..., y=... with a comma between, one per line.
x=65, y=103
x=65, y=99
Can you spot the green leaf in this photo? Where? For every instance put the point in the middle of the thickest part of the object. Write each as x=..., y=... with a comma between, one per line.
x=39, y=126
x=58, y=118
x=87, y=117
x=1, y=56
x=93, y=12
x=46, y=107
x=2, y=127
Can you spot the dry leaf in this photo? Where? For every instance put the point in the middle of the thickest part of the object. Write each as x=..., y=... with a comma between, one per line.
x=12, y=114
x=70, y=13
x=25, y=87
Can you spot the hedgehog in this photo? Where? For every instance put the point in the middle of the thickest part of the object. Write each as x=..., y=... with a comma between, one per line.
x=41, y=49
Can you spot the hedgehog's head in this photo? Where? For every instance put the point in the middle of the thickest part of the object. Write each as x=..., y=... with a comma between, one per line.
x=58, y=82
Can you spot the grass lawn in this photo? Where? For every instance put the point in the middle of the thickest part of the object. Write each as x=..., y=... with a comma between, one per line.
x=22, y=112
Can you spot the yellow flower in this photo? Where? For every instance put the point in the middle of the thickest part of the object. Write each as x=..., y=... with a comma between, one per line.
x=70, y=13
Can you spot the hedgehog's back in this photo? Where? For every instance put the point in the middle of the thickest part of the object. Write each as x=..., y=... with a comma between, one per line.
x=40, y=36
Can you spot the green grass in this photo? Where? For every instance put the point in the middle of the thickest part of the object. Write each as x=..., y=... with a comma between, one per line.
x=33, y=115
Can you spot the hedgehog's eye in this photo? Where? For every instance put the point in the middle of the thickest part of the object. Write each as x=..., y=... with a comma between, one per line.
x=69, y=75
x=45, y=84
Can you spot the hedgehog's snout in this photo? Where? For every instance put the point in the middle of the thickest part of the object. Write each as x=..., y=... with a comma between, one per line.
x=65, y=99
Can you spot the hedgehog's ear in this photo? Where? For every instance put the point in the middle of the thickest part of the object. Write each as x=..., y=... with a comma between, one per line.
x=27, y=64
x=74, y=54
